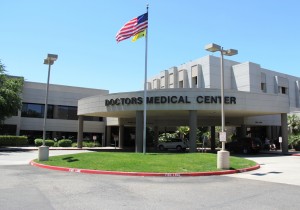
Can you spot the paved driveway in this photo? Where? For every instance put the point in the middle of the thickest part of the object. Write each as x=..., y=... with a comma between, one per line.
x=26, y=187
x=274, y=168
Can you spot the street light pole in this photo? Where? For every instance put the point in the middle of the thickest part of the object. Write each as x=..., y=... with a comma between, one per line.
x=222, y=98
x=46, y=105
x=44, y=150
x=223, y=155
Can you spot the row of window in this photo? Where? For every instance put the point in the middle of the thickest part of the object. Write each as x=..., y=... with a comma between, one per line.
x=282, y=90
x=54, y=112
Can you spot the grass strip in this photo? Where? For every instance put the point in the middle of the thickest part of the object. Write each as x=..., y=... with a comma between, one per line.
x=150, y=162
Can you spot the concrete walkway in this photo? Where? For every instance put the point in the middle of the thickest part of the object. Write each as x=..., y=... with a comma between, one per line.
x=274, y=168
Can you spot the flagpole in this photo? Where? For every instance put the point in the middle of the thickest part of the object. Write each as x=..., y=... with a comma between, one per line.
x=145, y=87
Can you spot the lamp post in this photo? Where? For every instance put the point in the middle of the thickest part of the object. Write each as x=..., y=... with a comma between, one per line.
x=223, y=155
x=44, y=150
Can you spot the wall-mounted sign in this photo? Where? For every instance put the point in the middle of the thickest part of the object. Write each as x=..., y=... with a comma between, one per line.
x=170, y=100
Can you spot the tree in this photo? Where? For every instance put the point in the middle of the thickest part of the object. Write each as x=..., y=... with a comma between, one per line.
x=294, y=129
x=10, y=94
x=183, y=131
x=293, y=123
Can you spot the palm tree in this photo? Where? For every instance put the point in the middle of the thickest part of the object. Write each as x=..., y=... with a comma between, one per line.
x=293, y=123
x=183, y=131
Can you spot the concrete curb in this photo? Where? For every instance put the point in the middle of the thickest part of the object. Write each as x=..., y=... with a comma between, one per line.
x=89, y=171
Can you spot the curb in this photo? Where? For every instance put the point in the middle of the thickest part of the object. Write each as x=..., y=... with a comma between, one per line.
x=90, y=171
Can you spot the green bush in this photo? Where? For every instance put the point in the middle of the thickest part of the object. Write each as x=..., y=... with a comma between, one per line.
x=64, y=143
x=48, y=142
x=13, y=141
x=294, y=141
x=87, y=144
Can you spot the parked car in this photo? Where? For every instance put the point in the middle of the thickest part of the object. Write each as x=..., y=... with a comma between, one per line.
x=244, y=145
x=178, y=144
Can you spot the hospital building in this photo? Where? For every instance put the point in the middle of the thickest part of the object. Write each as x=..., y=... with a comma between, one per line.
x=256, y=103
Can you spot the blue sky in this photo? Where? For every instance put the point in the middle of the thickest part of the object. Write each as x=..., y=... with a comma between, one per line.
x=82, y=33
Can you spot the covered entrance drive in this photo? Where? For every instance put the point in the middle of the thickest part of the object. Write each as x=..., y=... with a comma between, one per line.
x=184, y=107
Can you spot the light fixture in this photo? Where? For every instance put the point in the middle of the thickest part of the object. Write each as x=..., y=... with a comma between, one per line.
x=223, y=155
x=44, y=150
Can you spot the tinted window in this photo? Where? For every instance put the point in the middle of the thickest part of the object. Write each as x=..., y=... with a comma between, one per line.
x=36, y=110
x=65, y=112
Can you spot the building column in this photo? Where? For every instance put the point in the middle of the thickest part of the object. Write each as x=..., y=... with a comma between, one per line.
x=268, y=132
x=213, y=138
x=121, y=135
x=139, y=132
x=284, y=133
x=193, y=130
x=108, y=135
x=80, y=131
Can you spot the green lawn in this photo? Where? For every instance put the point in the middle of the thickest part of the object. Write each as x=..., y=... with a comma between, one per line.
x=150, y=162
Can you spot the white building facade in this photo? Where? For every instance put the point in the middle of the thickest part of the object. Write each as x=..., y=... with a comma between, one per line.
x=62, y=119
x=257, y=102
x=189, y=94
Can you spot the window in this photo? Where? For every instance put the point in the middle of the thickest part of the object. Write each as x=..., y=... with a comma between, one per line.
x=7, y=129
x=263, y=87
x=194, y=81
x=36, y=110
x=162, y=82
x=282, y=85
x=66, y=112
x=180, y=84
x=263, y=83
x=283, y=90
x=90, y=118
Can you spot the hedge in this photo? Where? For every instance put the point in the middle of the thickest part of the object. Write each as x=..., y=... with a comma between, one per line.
x=13, y=141
x=48, y=142
x=64, y=143
x=88, y=144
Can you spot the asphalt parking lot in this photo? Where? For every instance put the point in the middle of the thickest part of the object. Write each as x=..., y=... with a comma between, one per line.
x=22, y=186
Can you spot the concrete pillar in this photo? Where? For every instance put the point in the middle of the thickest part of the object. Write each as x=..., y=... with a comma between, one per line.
x=121, y=136
x=284, y=133
x=268, y=132
x=43, y=153
x=273, y=132
x=213, y=138
x=139, y=132
x=108, y=135
x=80, y=131
x=193, y=130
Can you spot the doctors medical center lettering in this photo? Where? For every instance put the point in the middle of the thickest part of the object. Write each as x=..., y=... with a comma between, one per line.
x=170, y=100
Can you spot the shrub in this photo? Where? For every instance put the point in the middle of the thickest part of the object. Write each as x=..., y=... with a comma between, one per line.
x=87, y=144
x=48, y=142
x=294, y=141
x=13, y=141
x=64, y=143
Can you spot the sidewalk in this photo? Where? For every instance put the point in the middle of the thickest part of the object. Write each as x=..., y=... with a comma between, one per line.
x=58, y=148
x=274, y=168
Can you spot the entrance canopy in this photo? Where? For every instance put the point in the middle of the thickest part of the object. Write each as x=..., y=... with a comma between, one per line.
x=172, y=106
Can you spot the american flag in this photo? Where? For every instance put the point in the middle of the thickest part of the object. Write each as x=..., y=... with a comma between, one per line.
x=133, y=27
